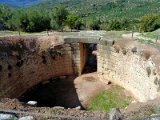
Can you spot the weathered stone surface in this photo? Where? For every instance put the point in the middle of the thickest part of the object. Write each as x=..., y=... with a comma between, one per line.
x=26, y=61
x=115, y=114
x=27, y=118
x=4, y=116
x=154, y=117
x=131, y=71
x=32, y=103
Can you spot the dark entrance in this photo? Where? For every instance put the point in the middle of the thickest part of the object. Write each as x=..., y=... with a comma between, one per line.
x=91, y=59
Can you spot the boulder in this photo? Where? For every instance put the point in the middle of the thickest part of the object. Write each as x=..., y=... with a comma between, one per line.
x=32, y=103
x=4, y=116
x=115, y=114
x=154, y=117
x=27, y=118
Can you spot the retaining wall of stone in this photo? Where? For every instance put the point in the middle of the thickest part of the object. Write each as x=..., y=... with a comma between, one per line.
x=132, y=66
x=26, y=61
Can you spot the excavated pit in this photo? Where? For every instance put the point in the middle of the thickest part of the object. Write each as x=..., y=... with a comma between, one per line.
x=41, y=68
x=61, y=91
x=54, y=92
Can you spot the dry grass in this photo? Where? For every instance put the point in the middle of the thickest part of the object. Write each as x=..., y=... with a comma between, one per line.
x=122, y=43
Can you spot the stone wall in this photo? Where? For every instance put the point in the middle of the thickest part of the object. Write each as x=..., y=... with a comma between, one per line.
x=26, y=61
x=132, y=66
x=75, y=53
x=83, y=56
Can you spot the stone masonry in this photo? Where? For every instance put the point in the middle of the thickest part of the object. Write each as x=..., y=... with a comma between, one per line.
x=26, y=61
x=130, y=68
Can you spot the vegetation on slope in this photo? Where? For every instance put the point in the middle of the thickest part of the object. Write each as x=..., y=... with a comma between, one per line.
x=80, y=14
x=112, y=98
x=106, y=9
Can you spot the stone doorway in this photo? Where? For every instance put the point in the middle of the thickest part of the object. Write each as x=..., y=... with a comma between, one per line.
x=88, y=57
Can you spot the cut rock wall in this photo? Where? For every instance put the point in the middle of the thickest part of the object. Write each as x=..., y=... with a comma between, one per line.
x=131, y=66
x=24, y=62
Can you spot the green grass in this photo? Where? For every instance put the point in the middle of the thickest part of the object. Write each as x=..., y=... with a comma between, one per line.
x=153, y=34
x=112, y=98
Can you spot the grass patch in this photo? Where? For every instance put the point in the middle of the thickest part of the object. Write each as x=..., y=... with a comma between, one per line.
x=111, y=98
x=152, y=35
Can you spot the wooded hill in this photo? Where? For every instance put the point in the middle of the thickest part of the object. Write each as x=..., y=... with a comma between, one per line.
x=106, y=9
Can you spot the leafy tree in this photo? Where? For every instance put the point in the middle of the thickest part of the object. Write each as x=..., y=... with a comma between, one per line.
x=54, y=24
x=149, y=23
x=71, y=21
x=59, y=16
x=38, y=20
x=157, y=23
x=5, y=14
x=15, y=23
x=114, y=25
x=79, y=25
x=94, y=24
x=29, y=20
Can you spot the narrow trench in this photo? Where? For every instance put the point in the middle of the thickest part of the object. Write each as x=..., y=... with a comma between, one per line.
x=60, y=91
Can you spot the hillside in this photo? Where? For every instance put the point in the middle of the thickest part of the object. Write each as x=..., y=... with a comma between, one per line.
x=20, y=3
x=106, y=8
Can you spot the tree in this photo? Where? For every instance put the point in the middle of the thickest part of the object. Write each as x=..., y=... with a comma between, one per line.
x=5, y=15
x=54, y=24
x=15, y=23
x=38, y=20
x=149, y=23
x=71, y=21
x=59, y=16
x=79, y=25
x=94, y=24
x=115, y=25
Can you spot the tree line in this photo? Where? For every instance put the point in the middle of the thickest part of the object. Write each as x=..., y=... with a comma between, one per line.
x=36, y=20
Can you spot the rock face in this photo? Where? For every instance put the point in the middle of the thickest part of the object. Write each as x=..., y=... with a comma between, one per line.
x=26, y=61
x=136, y=69
x=4, y=116
x=115, y=114
x=26, y=118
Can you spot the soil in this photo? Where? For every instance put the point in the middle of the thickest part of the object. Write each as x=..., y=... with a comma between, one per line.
x=87, y=86
x=47, y=113
x=140, y=110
